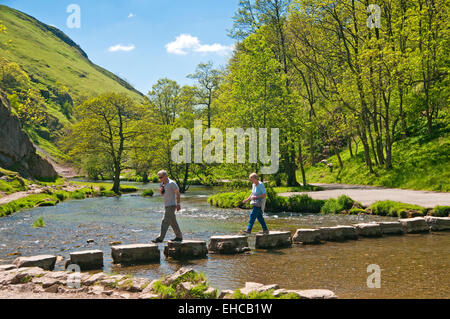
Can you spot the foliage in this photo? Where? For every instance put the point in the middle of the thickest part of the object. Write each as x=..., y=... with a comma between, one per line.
x=147, y=193
x=38, y=223
x=264, y=295
x=336, y=206
x=396, y=209
x=441, y=211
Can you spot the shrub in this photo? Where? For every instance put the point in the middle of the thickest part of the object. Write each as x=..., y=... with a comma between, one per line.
x=39, y=223
x=441, y=211
x=396, y=209
x=304, y=204
x=264, y=295
x=356, y=211
x=147, y=193
x=337, y=205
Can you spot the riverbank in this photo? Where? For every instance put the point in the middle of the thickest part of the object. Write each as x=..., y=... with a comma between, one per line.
x=323, y=202
x=186, y=283
x=50, y=194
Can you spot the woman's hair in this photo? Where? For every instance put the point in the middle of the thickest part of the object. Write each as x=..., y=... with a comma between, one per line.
x=254, y=175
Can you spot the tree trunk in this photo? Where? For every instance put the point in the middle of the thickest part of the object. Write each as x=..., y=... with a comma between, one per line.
x=300, y=159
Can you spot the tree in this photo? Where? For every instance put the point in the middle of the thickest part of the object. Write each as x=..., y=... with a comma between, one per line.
x=208, y=81
x=106, y=125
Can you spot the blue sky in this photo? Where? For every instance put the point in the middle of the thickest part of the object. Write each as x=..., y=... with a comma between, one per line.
x=144, y=40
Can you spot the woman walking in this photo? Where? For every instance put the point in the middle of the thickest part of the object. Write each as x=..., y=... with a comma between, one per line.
x=257, y=200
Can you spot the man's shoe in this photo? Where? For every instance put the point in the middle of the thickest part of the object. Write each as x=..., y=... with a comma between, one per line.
x=157, y=241
x=177, y=239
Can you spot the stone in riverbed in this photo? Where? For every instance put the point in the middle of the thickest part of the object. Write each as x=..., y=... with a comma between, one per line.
x=307, y=236
x=135, y=254
x=369, y=230
x=186, y=249
x=438, y=223
x=257, y=287
x=228, y=244
x=414, y=225
x=391, y=228
x=46, y=262
x=86, y=260
x=316, y=294
x=7, y=267
x=275, y=239
x=168, y=280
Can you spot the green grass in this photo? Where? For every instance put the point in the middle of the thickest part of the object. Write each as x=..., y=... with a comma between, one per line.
x=338, y=205
x=441, y=211
x=263, y=295
x=396, y=209
x=197, y=292
x=51, y=198
x=53, y=60
x=38, y=223
x=148, y=193
x=419, y=163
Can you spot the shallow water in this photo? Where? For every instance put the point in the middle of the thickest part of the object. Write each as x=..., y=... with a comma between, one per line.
x=412, y=266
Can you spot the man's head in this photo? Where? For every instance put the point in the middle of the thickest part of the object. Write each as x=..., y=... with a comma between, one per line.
x=163, y=176
x=254, y=177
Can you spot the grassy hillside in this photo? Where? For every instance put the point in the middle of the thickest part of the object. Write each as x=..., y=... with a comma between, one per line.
x=420, y=163
x=58, y=68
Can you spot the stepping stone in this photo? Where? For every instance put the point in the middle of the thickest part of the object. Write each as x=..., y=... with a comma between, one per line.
x=86, y=260
x=135, y=254
x=46, y=262
x=275, y=239
x=307, y=236
x=228, y=244
x=338, y=233
x=391, y=228
x=414, y=225
x=369, y=230
x=438, y=223
x=186, y=249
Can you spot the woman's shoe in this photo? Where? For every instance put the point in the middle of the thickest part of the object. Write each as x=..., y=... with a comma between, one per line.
x=245, y=232
x=157, y=241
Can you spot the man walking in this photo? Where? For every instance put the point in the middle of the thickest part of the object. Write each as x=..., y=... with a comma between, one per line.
x=171, y=194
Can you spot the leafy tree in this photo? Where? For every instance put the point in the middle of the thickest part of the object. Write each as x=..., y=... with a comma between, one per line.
x=107, y=126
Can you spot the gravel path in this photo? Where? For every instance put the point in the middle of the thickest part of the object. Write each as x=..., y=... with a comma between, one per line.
x=367, y=195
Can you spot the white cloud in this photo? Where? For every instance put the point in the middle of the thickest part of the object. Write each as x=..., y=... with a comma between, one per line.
x=119, y=47
x=186, y=43
x=131, y=15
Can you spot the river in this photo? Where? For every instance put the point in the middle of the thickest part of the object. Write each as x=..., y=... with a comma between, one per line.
x=412, y=266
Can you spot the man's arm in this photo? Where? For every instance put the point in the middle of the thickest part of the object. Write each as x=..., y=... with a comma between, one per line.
x=178, y=195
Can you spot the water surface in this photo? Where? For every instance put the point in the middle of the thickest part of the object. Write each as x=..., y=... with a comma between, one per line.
x=413, y=266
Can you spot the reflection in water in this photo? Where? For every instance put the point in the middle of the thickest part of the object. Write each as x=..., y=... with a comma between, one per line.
x=413, y=266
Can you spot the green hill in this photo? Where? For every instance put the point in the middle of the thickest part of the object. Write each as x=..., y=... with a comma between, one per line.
x=58, y=69
x=421, y=163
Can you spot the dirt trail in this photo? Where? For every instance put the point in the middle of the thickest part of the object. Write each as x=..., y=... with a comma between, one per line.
x=367, y=195
x=65, y=171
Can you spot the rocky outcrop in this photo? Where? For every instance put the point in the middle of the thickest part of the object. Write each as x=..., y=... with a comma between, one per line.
x=185, y=282
x=16, y=150
x=369, y=230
